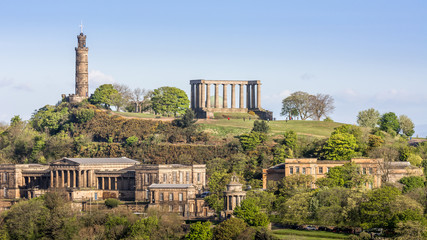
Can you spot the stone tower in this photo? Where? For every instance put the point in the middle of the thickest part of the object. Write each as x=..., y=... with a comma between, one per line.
x=82, y=80
x=233, y=197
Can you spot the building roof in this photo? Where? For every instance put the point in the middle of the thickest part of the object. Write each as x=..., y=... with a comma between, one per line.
x=122, y=160
x=154, y=185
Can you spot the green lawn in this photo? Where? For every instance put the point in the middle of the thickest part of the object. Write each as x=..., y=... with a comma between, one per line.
x=307, y=235
x=136, y=115
x=224, y=127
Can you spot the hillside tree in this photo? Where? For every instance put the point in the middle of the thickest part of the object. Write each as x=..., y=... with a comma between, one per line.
x=169, y=101
x=298, y=102
x=406, y=125
x=321, y=106
x=389, y=122
x=103, y=96
x=368, y=118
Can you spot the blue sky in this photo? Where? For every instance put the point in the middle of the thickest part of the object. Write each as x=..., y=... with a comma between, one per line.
x=363, y=53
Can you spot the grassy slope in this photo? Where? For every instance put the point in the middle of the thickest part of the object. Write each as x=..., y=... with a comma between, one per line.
x=224, y=127
x=301, y=234
x=233, y=127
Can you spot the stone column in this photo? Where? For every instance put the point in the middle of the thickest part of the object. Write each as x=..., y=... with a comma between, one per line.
x=203, y=95
x=68, y=179
x=62, y=178
x=241, y=97
x=233, y=98
x=208, y=95
x=51, y=178
x=89, y=175
x=224, y=97
x=84, y=178
x=258, y=96
x=197, y=99
x=115, y=183
x=192, y=95
x=199, y=95
x=248, y=96
x=216, y=95
x=110, y=184
x=75, y=178
x=253, y=96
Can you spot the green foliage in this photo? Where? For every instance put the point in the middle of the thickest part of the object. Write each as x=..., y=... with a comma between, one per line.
x=26, y=219
x=296, y=209
x=169, y=101
x=250, y=212
x=340, y=146
x=187, y=120
x=290, y=139
x=406, y=125
x=298, y=103
x=51, y=119
x=414, y=159
x=251, y=140
x=375, y=141
x=229, y=229
x=347, y=176
x=144, y=228
x=82, y=115
x=389, y=122
x=328, y=119
x=116, y=227
x=112, y=202
x=280, y=153
x=15, y=120
x=132, y=140
x=260, y=126
x=103, y=96
x=368, y=118
x=386, y=207
x=293, y=184
x=411, y=183
x=216, y=184
x=199, y=231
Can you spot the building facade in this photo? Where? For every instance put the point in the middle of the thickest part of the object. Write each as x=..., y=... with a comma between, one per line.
x=174, y=187
x=376, y=169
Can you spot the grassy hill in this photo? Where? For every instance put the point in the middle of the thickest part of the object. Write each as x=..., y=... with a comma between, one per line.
x=237, y=125
x=224, y=127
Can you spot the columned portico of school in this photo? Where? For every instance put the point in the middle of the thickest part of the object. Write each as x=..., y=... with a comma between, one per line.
x=223, y=96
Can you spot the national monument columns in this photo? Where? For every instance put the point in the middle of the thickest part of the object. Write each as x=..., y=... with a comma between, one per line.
x=210, y=96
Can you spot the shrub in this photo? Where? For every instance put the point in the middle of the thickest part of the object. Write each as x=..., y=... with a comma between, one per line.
x=112, y=202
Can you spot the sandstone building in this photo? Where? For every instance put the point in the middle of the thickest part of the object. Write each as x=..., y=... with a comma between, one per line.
x=172, y=187
x=375, y=168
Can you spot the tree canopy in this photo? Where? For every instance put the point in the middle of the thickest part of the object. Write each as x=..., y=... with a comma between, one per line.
x=103, y=95
x=389, y=122
x=368, y=118
x=169, y=101
x=307, y=106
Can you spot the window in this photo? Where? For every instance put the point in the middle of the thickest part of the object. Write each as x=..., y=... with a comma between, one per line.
x=303, y=170
x=371, y=171
x=165, y=177
x=297, y=169
x=170, y=208
x=320, y=170
x=170, y=196
x=364, y=170
x=4, y=192
x=147, y=195
x=146, y=178
x=174, y=177
x=180, y=208
x=198, y=177
x=327, y=169
x=181, y=177
x=187, y=177
x=180, y=197
x=291, y=170
x=161, y=197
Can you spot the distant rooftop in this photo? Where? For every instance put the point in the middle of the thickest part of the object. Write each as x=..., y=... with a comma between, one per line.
x=170, y=185
x=122, y=160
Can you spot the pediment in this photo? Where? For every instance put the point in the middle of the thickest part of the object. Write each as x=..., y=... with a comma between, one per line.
x=65, y=161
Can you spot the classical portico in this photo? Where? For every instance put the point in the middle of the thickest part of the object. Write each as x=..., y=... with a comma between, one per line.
x=213, y=96
x=234, y=196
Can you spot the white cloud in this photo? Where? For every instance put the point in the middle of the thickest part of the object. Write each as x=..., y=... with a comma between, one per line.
x=97, y=78
x=11, y=83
